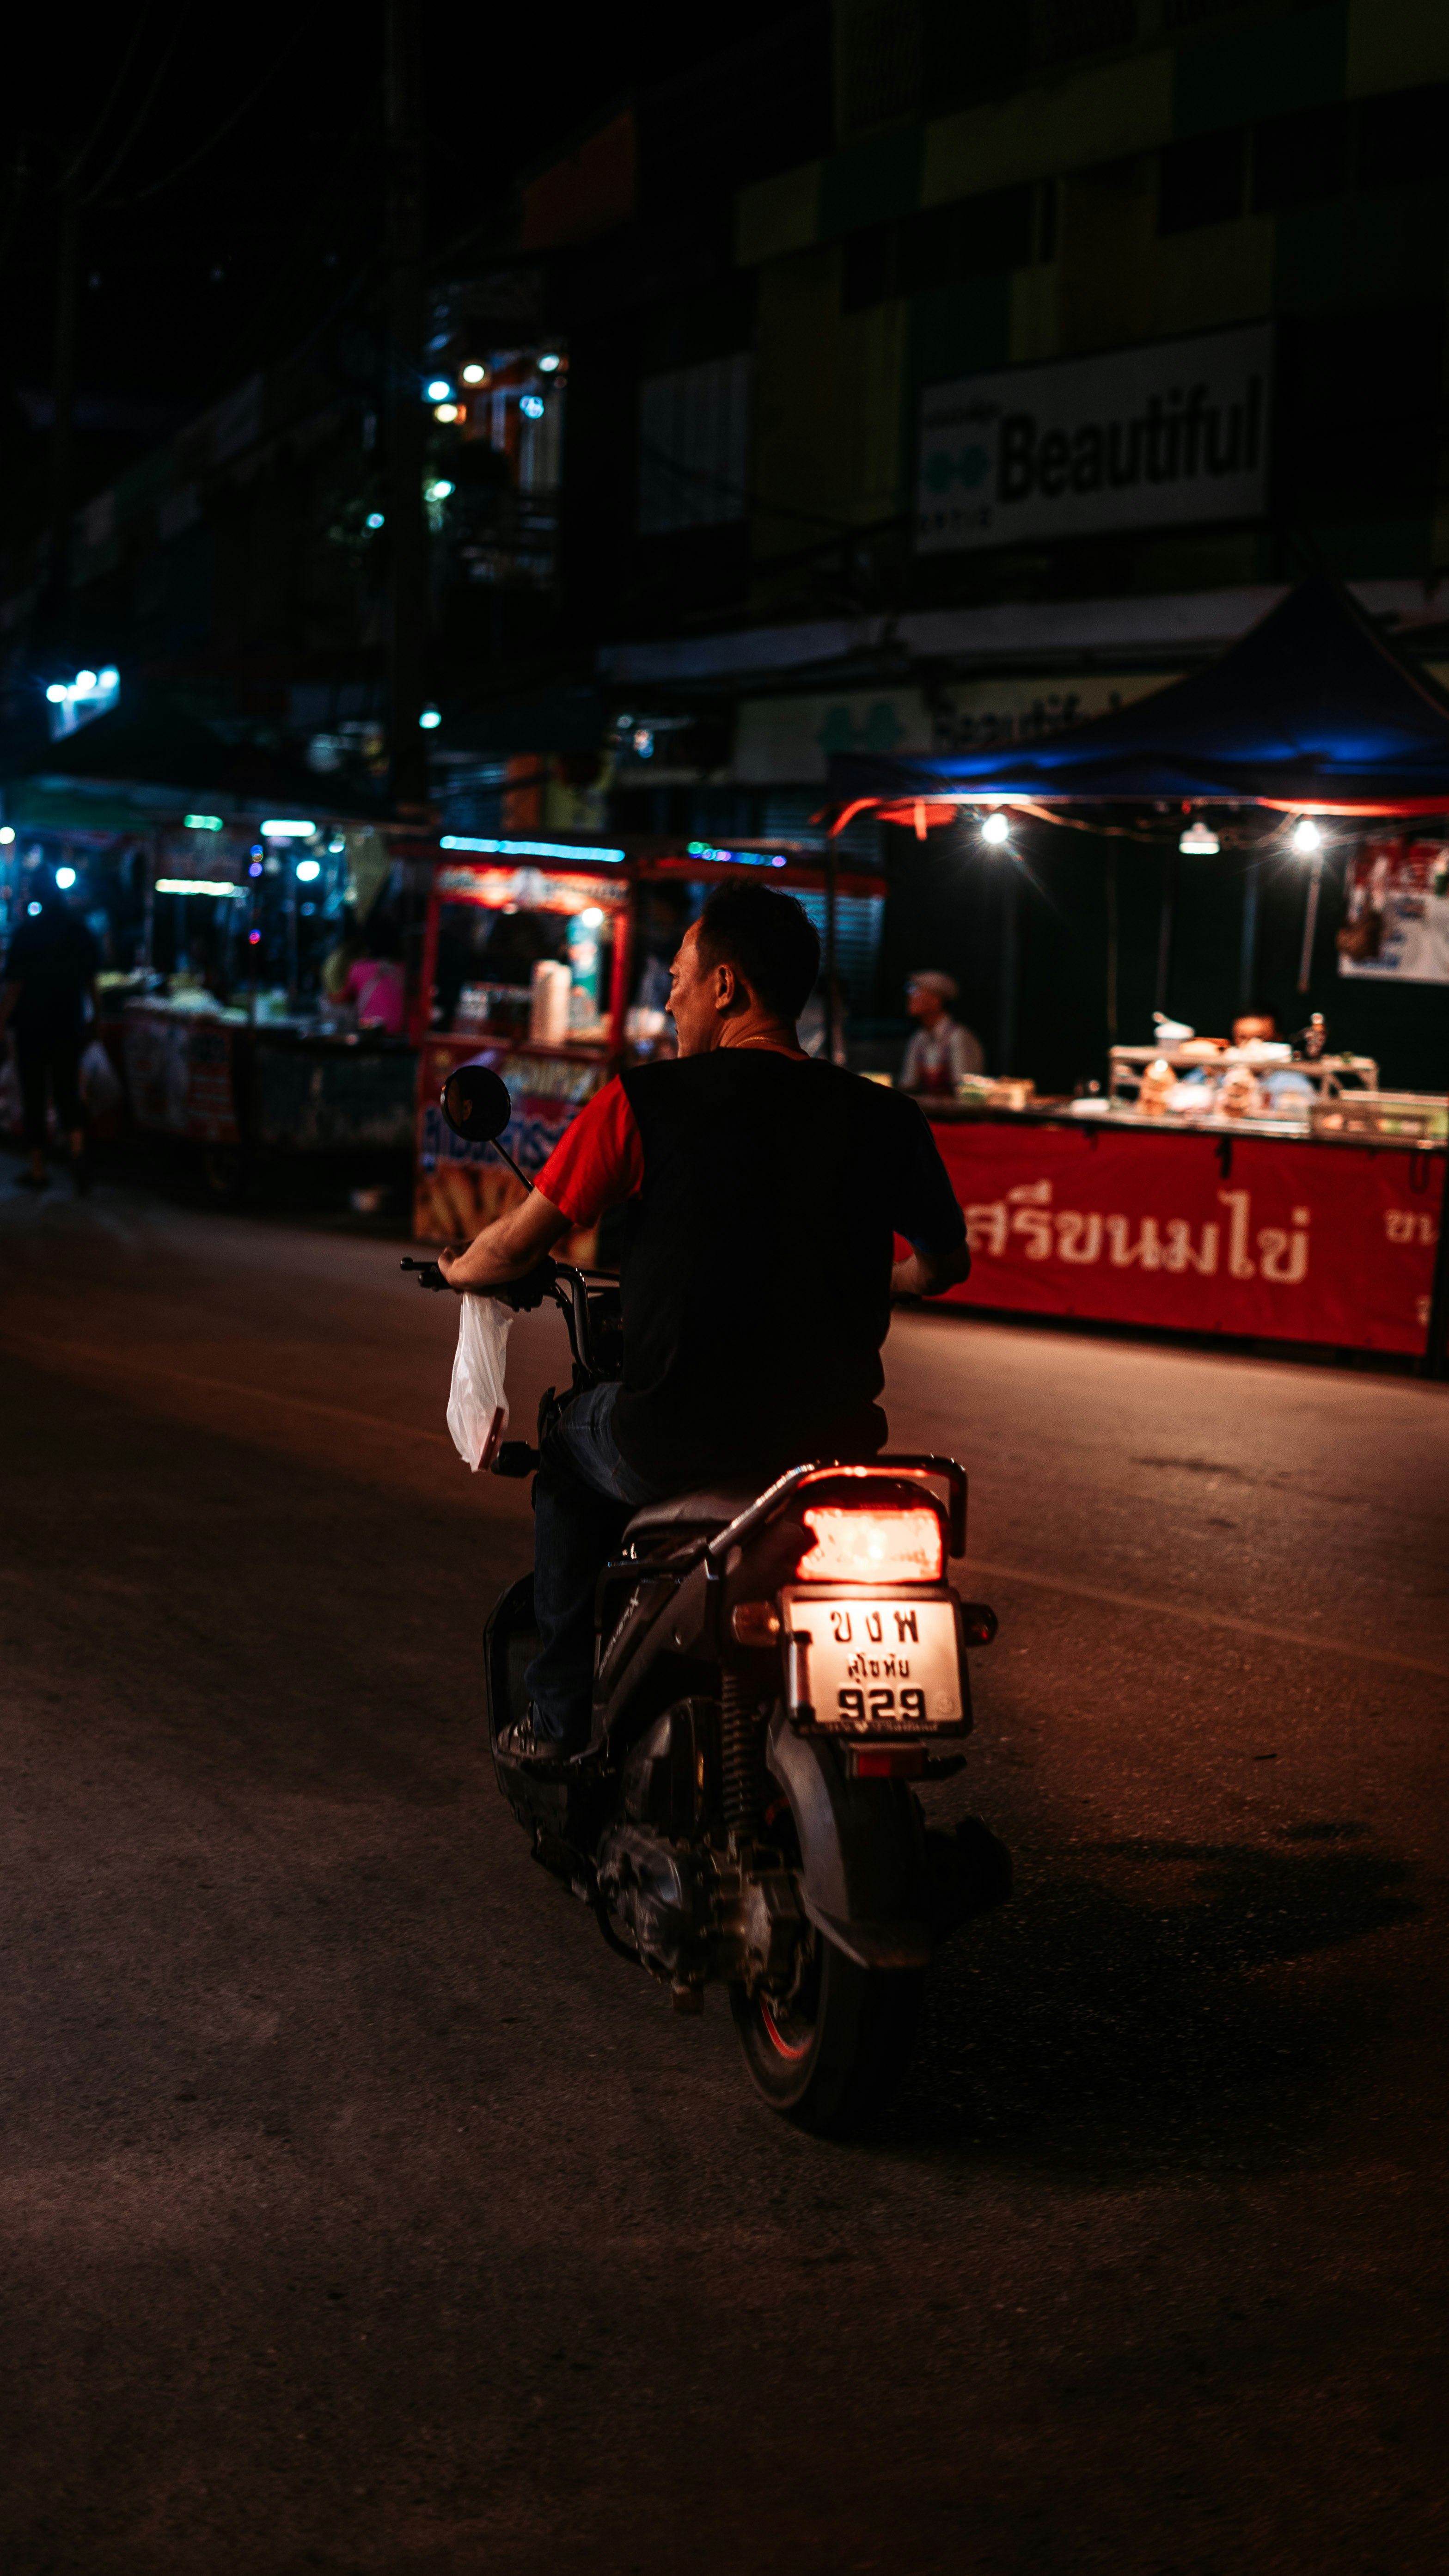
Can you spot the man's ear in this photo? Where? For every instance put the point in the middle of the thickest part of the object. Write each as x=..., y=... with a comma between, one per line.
x=726, y=986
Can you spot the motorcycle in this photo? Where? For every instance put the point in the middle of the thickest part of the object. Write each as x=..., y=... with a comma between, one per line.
x=773, y=1671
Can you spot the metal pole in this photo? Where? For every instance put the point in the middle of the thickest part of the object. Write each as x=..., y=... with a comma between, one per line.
x=1248, y=951
x=1164, y=929
x=1112, y=946
x=1310, y=924
x=1007, y=1015
x=406, y=419
x=832, y=871
x=291, y=867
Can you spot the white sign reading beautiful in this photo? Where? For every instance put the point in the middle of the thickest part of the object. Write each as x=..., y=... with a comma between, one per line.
x=1172, y=431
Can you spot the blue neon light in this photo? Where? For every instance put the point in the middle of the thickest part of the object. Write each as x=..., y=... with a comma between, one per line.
x=528, y=849
x=734, y=858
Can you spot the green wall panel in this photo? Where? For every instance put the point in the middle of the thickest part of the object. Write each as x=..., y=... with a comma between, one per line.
x=1310, y=251
x=1362, y=253
x=957, y=328
x=871, y=182
x=1267, y=69
x=1397, y=246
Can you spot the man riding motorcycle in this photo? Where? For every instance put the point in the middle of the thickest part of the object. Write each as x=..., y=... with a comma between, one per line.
x=764, y=1188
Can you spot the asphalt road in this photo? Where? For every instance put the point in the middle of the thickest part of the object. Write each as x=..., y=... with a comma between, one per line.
x=359, y=2211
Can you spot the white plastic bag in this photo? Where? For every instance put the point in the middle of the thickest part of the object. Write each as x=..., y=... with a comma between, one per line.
x=100, y=1084
x=477, y=1403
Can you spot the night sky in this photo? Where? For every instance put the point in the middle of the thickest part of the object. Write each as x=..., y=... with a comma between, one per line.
x=233, y=171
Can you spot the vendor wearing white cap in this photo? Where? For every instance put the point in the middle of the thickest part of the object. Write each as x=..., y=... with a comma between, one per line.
x=941, y=1053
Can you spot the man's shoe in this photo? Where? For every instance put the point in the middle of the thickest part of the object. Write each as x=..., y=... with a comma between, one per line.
x=534, y=1751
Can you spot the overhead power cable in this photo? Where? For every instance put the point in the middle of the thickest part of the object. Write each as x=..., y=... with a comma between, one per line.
x=147, y=103
x=117, y=86
x=248, y=103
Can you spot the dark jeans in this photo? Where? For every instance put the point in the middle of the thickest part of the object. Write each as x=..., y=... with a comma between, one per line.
x=38, y=1059
x=583, y=1499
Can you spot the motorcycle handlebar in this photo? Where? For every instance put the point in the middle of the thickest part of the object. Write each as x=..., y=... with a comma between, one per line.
x=530, y=1290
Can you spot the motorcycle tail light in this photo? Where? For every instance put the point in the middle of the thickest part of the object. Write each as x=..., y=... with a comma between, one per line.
x=873, y=1547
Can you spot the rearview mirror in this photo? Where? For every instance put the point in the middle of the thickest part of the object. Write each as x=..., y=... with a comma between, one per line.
x=476, y=1103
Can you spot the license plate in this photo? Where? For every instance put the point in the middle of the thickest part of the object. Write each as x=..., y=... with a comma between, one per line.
x=870, y=1663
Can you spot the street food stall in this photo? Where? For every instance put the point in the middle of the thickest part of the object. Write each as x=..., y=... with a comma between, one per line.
x=549, y=962
x=524, y=970
x=1271, y=1190
x=1236, y=1226
x=226, y=1032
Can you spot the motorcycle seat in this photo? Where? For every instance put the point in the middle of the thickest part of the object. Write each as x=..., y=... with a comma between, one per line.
x=709, y=1508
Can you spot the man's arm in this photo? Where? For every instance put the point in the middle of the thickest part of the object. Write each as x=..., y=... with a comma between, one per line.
x=930, y=1274
x=8, y=1000
x=509, y=1248
x=597, y=1163
x=925, y=1210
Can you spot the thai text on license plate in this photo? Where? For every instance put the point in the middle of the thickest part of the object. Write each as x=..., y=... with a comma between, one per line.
x=879, y=1663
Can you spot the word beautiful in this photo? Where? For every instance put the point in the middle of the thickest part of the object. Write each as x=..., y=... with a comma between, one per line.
x=1176, y=436
x=1169, y=431
x=1025, y=1220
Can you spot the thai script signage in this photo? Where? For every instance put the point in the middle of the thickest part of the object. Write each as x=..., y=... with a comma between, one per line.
x=1169, y=431
x=1284, y=1241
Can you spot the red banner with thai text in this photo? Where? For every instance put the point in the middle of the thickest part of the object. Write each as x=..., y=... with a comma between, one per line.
x=1263, y=1236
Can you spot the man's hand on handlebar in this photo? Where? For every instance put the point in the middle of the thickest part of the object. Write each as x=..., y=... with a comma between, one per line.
x=529, y=1291
x=509, y=1259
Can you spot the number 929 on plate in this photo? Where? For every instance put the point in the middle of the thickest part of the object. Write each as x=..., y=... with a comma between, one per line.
x=878, y=1662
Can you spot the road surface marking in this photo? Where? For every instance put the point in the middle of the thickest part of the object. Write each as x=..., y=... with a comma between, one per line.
x=121, y=1363
x=1207, y=1618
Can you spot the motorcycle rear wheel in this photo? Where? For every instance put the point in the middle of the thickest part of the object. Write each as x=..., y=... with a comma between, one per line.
x=832, y=2058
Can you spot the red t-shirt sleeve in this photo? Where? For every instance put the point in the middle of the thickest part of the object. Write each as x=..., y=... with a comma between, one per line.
x=598, y=1161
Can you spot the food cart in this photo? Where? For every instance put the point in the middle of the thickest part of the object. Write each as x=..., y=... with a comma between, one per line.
x=1267, y=1228
x=524, y=969
x=548, y=961
x=225, y=1040
x=1229, y=1191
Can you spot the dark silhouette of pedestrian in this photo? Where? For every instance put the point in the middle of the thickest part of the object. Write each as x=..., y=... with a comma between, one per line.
x=50, y=975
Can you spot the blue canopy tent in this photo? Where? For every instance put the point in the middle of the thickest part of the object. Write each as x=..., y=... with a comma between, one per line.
x=1310, y=711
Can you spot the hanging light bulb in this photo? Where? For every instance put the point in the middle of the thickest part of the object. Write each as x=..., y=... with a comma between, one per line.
x=1306, y=836
x=1199, y=841
x=995, y=829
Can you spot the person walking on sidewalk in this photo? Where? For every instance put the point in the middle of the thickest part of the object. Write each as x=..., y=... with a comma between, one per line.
x=50, y=976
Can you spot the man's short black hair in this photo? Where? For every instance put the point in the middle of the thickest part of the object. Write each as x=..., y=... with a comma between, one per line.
x=768, y=938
